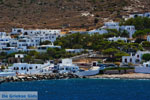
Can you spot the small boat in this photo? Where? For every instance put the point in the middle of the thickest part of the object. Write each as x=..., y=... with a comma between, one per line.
x=93, y=71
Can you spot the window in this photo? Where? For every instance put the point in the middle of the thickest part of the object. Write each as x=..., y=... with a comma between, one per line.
x=30, y=68
x=14, y=68
x=18, y=56
x=130, y=59
x=94, y=63
x=18, y=30
x=67, y=68
x=125, y=60
x=25, y=33
x=135, y=16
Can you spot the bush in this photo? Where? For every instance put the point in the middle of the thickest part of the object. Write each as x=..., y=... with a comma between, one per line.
x=140, y=23
x=146, y=57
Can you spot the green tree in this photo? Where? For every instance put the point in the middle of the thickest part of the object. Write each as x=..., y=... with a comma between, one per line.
x=139, y=33
x=118, y=55
x=110, y=52
x=51, y=52
x=45, y=43
x=124, y=34
x=140, y=23
x=28, y=59
x=146, y=57
x=146, y=44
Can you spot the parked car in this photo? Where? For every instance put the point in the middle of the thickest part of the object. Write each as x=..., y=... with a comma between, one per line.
x=112, y=65
x=107, y=65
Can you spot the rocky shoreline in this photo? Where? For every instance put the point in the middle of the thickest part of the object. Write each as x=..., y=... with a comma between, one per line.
x=121, y=76
x=71, y=76
x=38, y=77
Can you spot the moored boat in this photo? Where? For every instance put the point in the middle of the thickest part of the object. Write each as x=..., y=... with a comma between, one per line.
x=93, y=71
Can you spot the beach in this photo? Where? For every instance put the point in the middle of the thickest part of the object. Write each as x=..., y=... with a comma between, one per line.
x=123, y=76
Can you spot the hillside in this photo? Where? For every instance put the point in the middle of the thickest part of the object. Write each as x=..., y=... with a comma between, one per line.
x=65, y=13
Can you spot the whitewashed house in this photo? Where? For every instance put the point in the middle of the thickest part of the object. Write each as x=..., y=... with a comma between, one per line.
x=103, y=29
x=41, y=32
x=74, y=50
x=4, y=40
x=25, y=68
x=147, y=14
x=28, y=42
x=47, y=37
x=43, y=48
x=17, y=30
x=129, y=28
x=99, y=31
x=134, y=15
x=3, y=44
x=81, y=32
x=118, y=38
x=111, y=25
x=13, y=42
x=145, y=68
x=43, y=35
x=19, y=56
x=2, y=34
x=9, y=50
x=66, y=66
x=134, y=58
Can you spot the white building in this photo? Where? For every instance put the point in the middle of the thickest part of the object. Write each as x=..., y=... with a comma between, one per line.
x=134, y=15
x=147, y=14
x=2, y=34
x=28, y=42
x=41, y=32
x=48, y=37
x=111, y=25
x=43, y=48
x=4, y=40
x=129, y=28
x=99, y=31
x=3, y=44
x=145, y=68
x=117, y=38
x=134, y=58
x=66, y=66
x=25, y=68
x=9, y=50
x=74, y=50
x=17, y=30
x=13, y=42
x=19, y=55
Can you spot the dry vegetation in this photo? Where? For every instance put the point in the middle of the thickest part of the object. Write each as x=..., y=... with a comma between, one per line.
x=64, y=13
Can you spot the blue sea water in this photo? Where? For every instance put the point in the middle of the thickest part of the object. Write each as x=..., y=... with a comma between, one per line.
x=84, y=89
